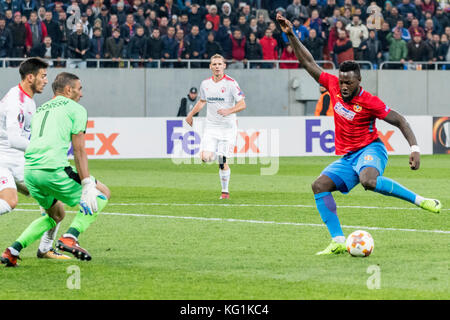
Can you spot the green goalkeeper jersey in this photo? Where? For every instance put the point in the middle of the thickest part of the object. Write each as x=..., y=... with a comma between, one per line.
x=52, y=127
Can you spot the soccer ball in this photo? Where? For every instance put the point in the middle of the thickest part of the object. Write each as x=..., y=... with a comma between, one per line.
x=359, y=244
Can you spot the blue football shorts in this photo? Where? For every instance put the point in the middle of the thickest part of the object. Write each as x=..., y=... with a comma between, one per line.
x=345, y=171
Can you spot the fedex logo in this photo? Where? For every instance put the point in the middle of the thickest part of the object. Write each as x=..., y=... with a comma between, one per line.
x=190, y=140
x=106, y=142
x=325, y=138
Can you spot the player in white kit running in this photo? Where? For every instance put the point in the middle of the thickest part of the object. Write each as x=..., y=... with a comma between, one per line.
x=16, y=110
x=223, y=98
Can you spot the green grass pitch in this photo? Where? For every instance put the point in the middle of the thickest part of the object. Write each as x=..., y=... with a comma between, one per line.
x=166, y=235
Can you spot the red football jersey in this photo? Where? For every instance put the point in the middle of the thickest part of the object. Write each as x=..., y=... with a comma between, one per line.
x=354, y=121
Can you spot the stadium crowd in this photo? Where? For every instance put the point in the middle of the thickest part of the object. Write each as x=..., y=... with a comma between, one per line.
x=169, y=31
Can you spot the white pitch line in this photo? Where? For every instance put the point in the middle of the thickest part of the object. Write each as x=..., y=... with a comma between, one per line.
x=247, y=205
x=253, y=221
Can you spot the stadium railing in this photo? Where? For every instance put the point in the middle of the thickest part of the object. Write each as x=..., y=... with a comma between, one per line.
x=168, y=63
x=416, y=65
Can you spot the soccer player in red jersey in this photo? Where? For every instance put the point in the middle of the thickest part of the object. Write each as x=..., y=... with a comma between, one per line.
x=356, y=139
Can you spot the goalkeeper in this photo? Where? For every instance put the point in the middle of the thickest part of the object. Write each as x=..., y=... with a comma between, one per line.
x=50, y=178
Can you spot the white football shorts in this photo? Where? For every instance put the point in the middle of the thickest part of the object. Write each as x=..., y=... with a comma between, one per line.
x=9, y=174
x=220, y=141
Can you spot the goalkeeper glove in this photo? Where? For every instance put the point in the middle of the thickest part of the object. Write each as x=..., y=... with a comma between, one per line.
x=89, y=195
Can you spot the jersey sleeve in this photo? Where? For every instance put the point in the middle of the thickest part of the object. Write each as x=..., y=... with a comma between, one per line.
x=79, y=119
x=328, y=80
x=202, y=91
x=14, y=126
x=236, y=91
x=379, y=109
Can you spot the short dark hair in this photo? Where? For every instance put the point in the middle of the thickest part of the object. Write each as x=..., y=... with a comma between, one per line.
x=62, y=80
x=31, y=66
x=350, y=65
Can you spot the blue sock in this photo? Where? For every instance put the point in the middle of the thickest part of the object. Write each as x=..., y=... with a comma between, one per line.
x=391, y=188
x=327, y=208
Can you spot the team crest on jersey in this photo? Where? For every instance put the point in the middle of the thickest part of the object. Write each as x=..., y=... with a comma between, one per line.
x=223, y=89
x=3, y=180
x=368, y=158
x=342, y=111
x=357, y=108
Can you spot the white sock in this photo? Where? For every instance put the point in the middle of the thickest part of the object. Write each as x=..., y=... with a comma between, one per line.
x=339, y=239
x=224, y=179
x=418, y=200
x=4, y=207
x=47, y=239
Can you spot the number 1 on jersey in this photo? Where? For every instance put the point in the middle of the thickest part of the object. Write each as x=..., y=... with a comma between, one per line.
x=43, y=123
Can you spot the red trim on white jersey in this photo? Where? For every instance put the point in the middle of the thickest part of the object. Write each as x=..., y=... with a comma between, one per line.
x=22, y=92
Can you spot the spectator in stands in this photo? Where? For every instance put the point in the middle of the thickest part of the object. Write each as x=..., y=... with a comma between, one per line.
x=253, y=51
x=398, y=50
x=213, y=17
x=371, y=50
x=113, y=23
x=403, y=31
x=36, y=32
x=262, y=26
x=181, y=49
x=97, y=44
x=253, y=26
x=169, y=44
x=299, y=30
x=419, y=50
x=163, y=26
x=442, y=18
x=6, y=41
x=429, y=27
x=358, y=32
x=435, y=46
x=169, y=9
x=328, y=10
x=212, y=47
x=196, y=46
x=223, y=37
x=428, y=6
x=227, y=11
x=288, y=54
x=128, y=29
x=333, y=34
x=174, y=21
x=52, y=27
x=8, y=17
x=415, y=28
x=406, y=7
x=315, y=22
x=269, y=48
x=277, y=34
x=13, y=5
x=208, y=28
x=78, y=46
x=28, y=6
x=121, y=13
x=237, y=49
x=136, y=47
x=343, y=49
x=313, y=5
x=348, y=5
x=247, y=12
x=393, y=17
x=84, y=4
x=444, y=49
x=323, y=106
x=188, y=103
x=50, y=51
x=41, y=14
x=297, y=10
x=114, y=48
x=382, y=36
x=19, y=36
x=154, y=50
x=315, y=44
x=197, y=16
x=243, y=25
x=184, y=24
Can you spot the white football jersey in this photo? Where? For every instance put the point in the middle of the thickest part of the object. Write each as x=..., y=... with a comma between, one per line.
x=223, y=94
x=16, y=110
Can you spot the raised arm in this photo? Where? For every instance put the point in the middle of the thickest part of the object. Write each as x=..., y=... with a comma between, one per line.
x=303, y=55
